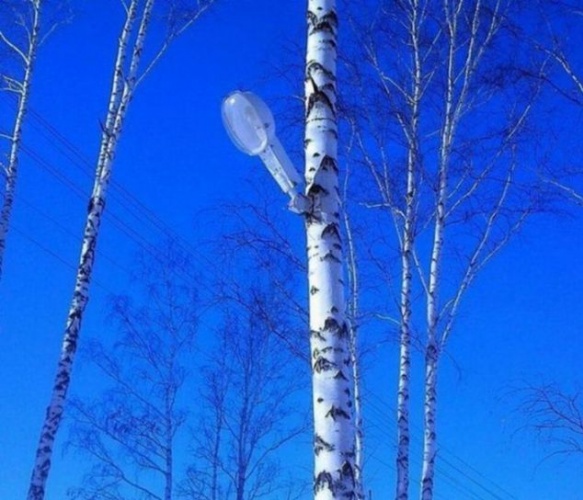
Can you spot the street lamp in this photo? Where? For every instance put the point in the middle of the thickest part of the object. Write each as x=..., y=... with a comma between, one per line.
x=250, y=125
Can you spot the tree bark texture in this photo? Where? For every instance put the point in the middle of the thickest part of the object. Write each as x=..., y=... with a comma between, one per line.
x=334, y=430
x=407, y=243
x=124, y=80
x=22, y=90
x=353, y=313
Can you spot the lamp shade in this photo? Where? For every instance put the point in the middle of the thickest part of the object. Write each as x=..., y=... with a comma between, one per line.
x=248, y=121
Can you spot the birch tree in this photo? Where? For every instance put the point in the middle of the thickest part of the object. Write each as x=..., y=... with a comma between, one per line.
x=354, y=318
x=447, y=178
x=334, y=429
x=126, y=77
x=249, y=412
x=27, y=17
x=128, y=432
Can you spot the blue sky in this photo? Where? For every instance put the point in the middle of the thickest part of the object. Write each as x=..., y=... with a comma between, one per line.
x=520, y=322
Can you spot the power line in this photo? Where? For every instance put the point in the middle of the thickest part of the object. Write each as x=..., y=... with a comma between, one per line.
x=139, y=210
x=53, y=254
x=371, y=403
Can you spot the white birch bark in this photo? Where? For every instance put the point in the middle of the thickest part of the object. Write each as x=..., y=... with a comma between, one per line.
x=334, y=469
x=432, y=307
x=122, y=92
x=428, y=91
x=457, y=83
x=407, y=241
x=22, y=90
x=353, y=313
x=403, y=435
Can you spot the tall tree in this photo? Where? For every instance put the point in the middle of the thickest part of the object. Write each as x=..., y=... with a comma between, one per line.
x=128, y=431
x=126, y=76
x=27, y=17
x=334, y=429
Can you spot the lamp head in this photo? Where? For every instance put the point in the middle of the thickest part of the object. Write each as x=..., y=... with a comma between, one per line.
x=248, y=121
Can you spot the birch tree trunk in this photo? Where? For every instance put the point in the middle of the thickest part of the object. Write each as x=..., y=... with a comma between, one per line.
x=334, y=441
x=353, y=313
x=124, y=80
x=432, y=308
x=22, y=90
x=407, y=243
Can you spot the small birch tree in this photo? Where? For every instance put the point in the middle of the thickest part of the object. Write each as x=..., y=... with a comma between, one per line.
x=248, y=415
x=126, y=77
x=27, y=17
x=129, y=431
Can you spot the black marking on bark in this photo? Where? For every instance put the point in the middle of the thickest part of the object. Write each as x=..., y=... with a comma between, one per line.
x=336, y=413
x=321, y=445
x=340, y=375
x=331, y=324
x=312, y=218
x=331, y=230
x=331, y=257
x=316, y=66
x=323, y=365
x=317, y=334
x=316, y=189
x=323, y=481
x=347, y=471
x=318, y=95
x=320, y=400
x=432, y=352
x=334, y=310
x=327, y=23
x=95, y=202
x=314, y=290
x=331, y=42
x=343, y=332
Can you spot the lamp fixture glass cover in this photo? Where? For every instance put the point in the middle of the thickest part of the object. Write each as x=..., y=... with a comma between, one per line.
x=248, y=121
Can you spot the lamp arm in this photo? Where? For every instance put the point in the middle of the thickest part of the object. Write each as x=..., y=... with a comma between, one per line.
x=281, y=168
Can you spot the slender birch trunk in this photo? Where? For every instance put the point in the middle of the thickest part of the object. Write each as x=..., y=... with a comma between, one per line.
x=22, y=90
x=433, y=345
x=122, y=92
x=353, y=311
x=403, y=438
x=334, y=441
x=407, y=246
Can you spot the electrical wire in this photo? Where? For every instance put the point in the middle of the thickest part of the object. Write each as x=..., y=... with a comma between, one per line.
x=138, y=210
